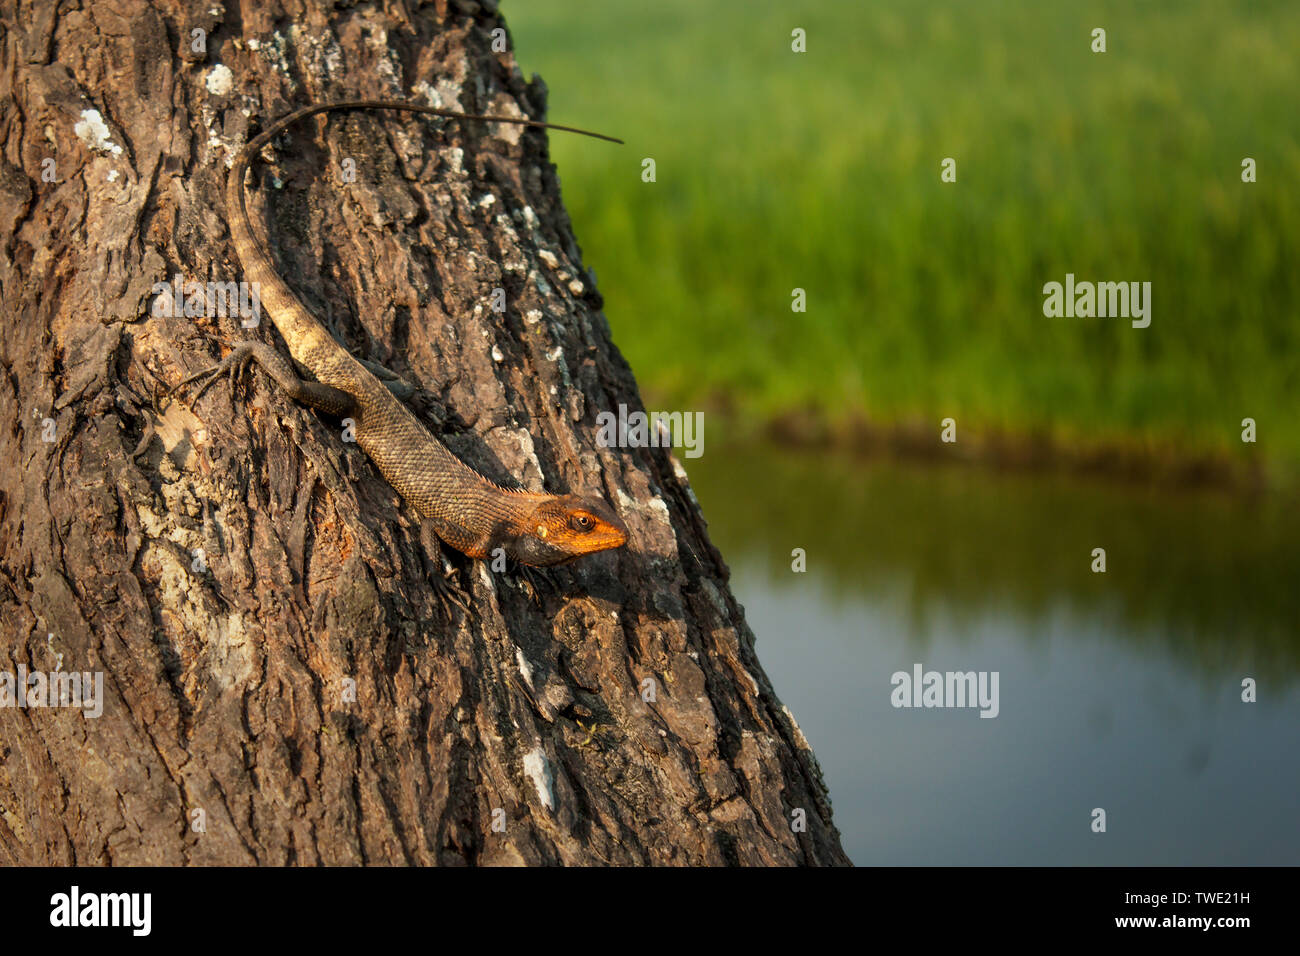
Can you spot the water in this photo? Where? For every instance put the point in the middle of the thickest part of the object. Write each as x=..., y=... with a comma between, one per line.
x=1119, y=691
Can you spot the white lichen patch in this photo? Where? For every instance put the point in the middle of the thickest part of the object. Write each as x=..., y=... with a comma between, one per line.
x=93, y=131
x=533, y=316
x=275, y=55
x=455, y=160
x=333, y=55
x=54, y=652
x=445, y=96
x=524, y=441
x=547, y=256
x=659, y=508
x=227, y=645
x=504, y=105
x=525, y=668
x=161, y=526
x=506, y=226
x=219, y=80
x=538, y=770
x=497, y=354
x=376, y=35
x=656, y=507
x=423, y=89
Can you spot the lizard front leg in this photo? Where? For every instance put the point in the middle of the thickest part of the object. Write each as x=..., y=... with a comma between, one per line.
x=440, y=574
x=392, y=381
x=534, y=581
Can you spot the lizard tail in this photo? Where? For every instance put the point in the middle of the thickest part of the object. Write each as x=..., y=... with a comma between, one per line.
x=308, y=340
x=257, y=142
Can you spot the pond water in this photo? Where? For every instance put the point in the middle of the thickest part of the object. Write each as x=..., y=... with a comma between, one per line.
x=1119, y=690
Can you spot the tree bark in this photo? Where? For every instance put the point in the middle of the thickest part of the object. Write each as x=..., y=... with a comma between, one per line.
x=235, y=580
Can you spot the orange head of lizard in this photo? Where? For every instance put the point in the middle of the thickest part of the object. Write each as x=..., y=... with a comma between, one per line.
x=565, y=527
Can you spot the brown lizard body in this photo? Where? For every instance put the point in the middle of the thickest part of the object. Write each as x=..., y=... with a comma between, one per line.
x=466, y=510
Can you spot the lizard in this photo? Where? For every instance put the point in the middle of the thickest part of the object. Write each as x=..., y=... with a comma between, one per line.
x=461, y=507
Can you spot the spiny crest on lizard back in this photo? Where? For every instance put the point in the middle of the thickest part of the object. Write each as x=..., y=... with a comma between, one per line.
x=565, y=527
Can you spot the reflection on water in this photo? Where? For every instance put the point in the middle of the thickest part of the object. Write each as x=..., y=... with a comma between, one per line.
x=1119, y=690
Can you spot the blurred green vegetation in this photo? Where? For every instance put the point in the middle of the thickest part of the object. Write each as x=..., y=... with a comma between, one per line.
x=821, y=171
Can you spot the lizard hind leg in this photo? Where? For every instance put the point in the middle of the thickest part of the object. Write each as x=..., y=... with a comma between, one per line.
x=326, y=398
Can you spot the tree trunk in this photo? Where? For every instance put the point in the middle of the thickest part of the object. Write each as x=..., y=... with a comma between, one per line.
x=278, y=687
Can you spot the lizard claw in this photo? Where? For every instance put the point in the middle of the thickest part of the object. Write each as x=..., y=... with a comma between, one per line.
x=450, y=595
x=532, y=581
x=234, y=364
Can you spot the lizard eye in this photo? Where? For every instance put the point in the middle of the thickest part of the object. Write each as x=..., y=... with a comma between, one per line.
x=581, y=522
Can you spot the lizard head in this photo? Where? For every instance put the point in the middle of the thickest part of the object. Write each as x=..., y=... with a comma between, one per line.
x=565, y=527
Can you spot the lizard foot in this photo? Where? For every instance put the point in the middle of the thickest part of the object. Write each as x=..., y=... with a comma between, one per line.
x=234, y=365
x=532, y=581
x=449, y=595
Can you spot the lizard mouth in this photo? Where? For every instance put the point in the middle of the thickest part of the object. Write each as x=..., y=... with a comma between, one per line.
x=615, y=536
x=606, y=537
x=612, y=533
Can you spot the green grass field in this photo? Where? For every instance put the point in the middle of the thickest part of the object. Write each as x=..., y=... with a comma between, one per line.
x=821, y=170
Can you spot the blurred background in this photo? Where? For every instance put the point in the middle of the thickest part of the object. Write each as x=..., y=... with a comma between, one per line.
x=820, y=170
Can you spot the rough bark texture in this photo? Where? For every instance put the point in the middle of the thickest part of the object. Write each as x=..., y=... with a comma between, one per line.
x=225, y=688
